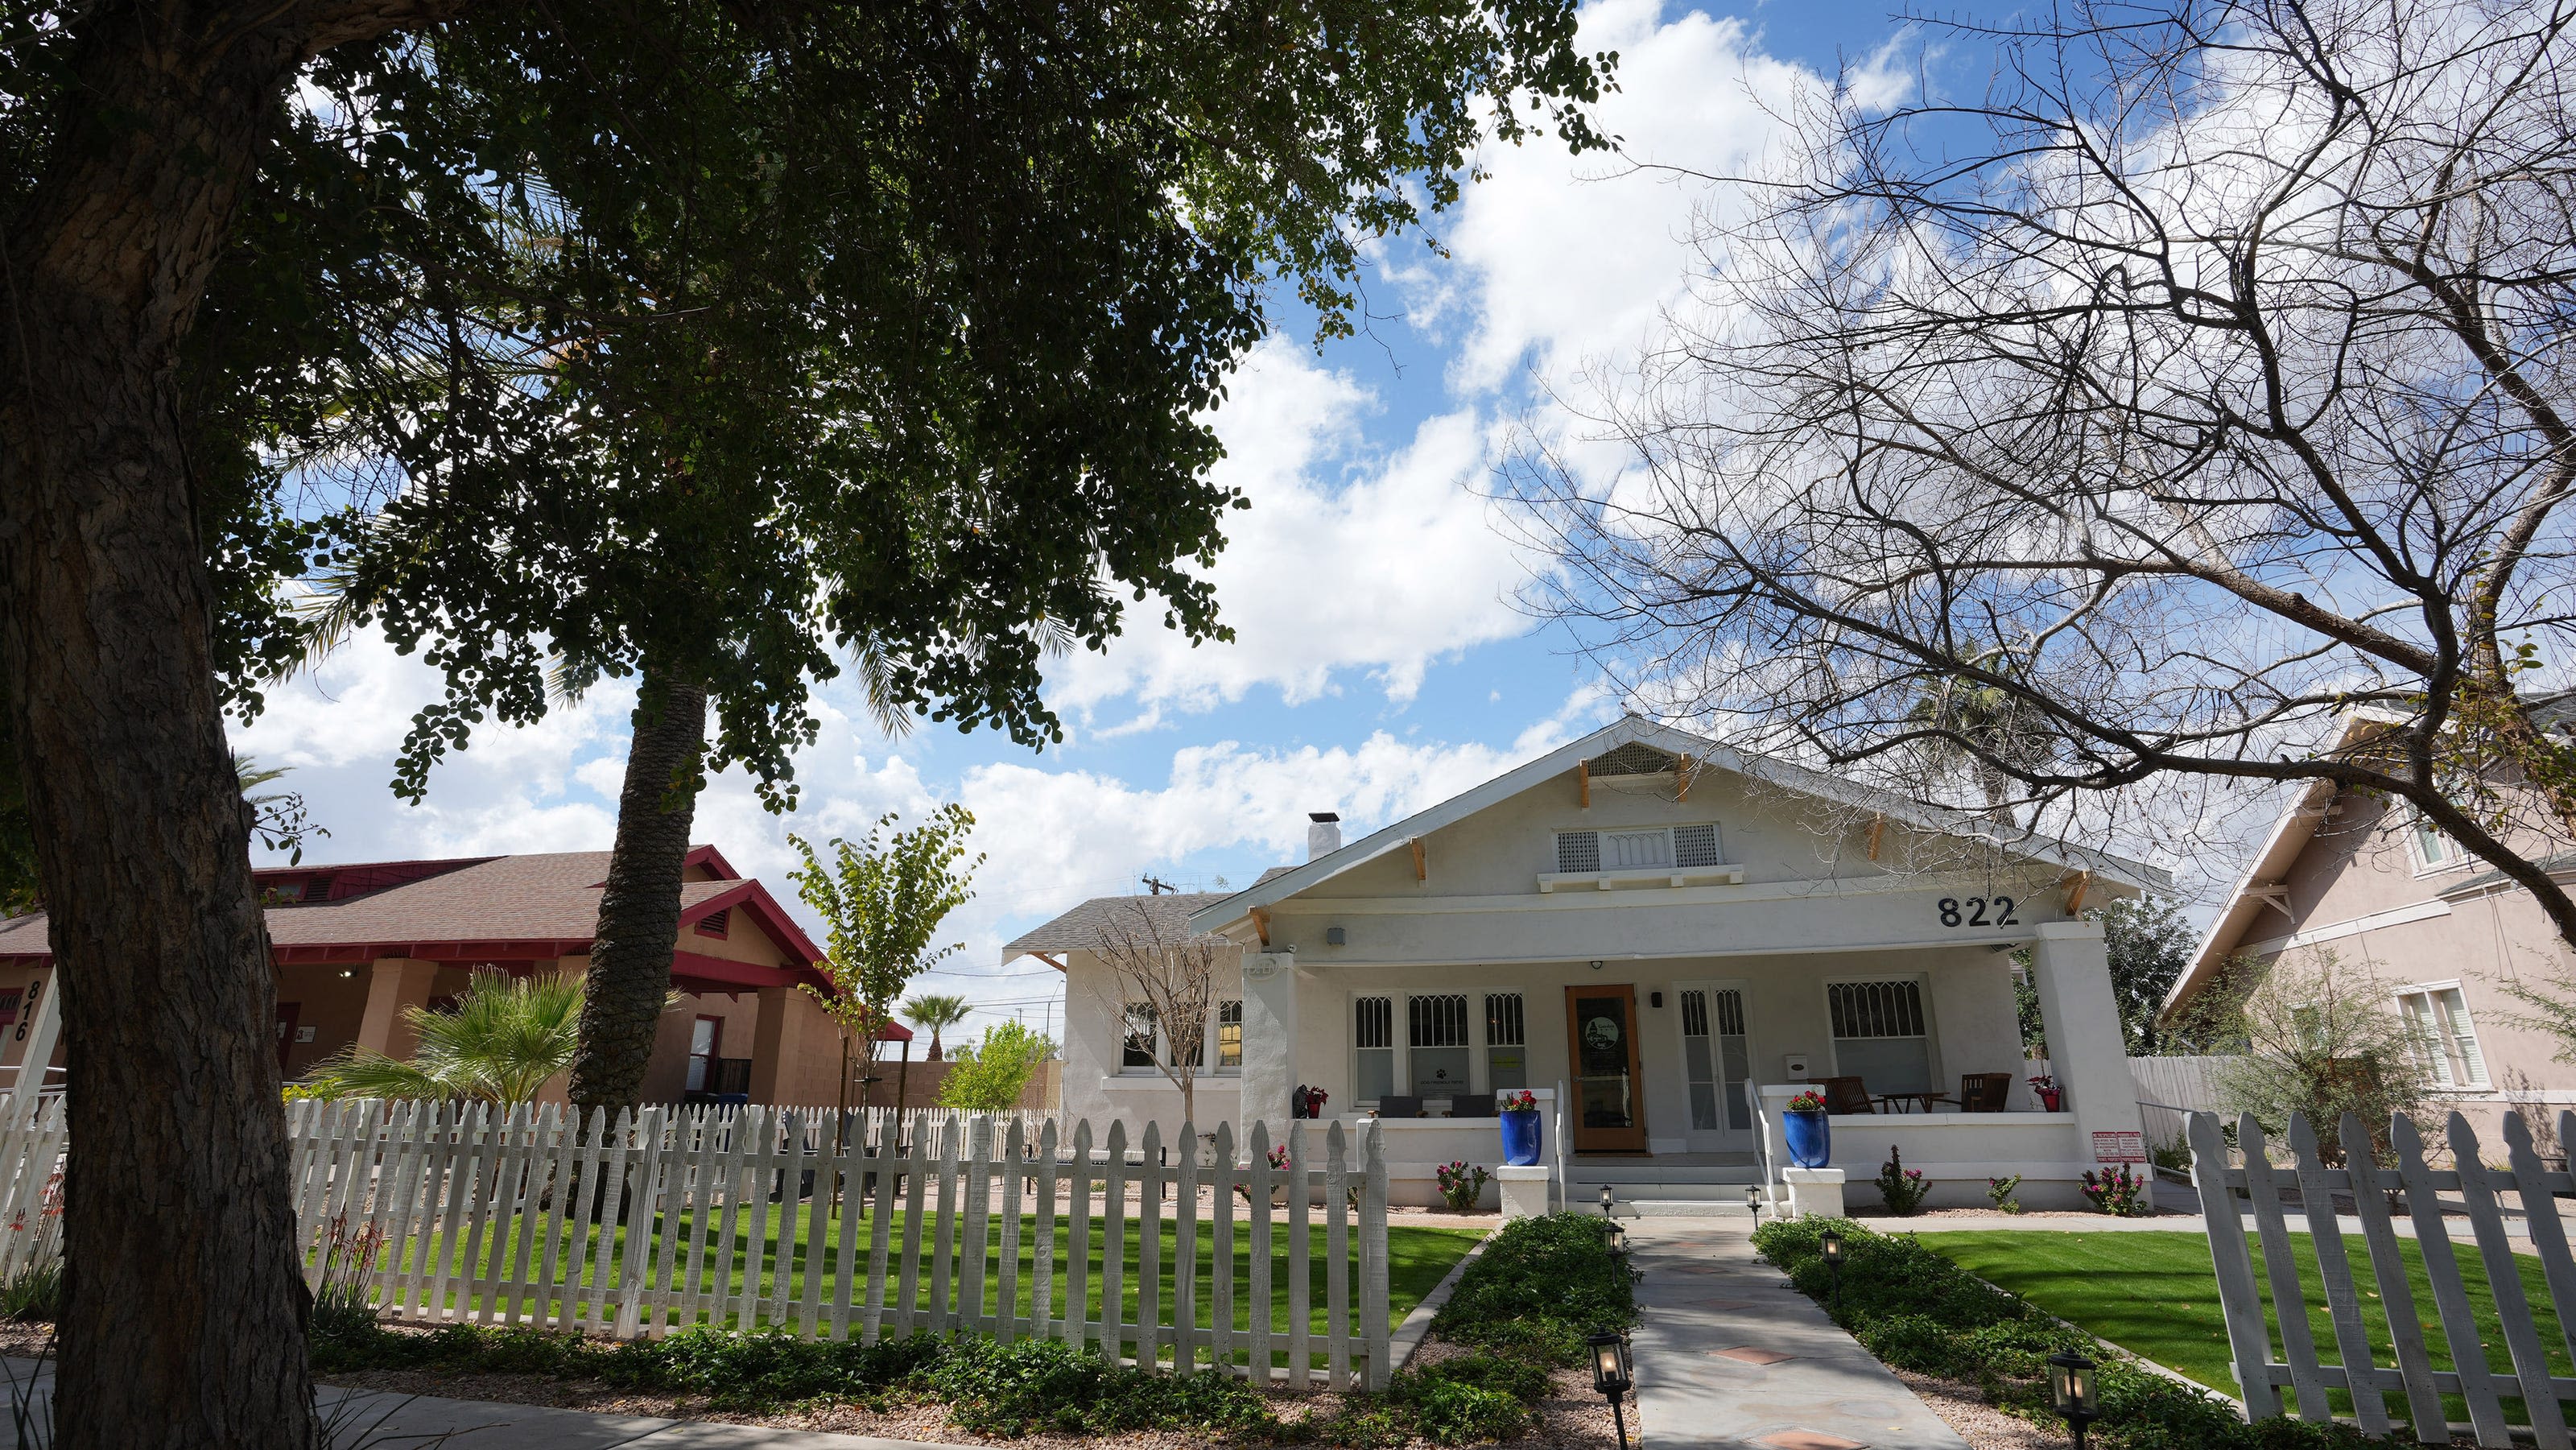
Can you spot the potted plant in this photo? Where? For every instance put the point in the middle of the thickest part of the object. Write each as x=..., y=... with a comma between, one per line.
x=1811, y=1137
x=1518, y=1114
x=2050, y=1094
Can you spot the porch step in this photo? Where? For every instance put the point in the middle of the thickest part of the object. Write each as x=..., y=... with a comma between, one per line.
x=1684, y=1208
x=1624, y=1191
x=1651, y=1180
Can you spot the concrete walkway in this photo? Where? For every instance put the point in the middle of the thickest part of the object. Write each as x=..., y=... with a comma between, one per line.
x=376, y=1421
x=1728, y=1356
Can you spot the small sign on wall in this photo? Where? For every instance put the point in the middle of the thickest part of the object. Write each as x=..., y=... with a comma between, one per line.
x=1794, y=1066
x=305, y=1034
x=2119, y=1147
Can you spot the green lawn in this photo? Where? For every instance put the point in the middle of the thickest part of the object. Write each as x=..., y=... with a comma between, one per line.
x=2155, y=1294
x=1417, y=1259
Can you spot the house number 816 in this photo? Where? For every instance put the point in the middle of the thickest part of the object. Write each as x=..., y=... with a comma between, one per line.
x=1976, y=911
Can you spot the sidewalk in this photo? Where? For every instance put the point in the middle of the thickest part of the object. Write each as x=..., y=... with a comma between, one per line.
x=1728, y=1356
x=415, y=1422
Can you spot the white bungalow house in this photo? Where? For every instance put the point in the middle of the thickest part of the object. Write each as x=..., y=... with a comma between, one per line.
x=1665, y=940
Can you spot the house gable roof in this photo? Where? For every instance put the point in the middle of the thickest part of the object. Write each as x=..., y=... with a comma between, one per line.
x=1618, y=742
x=474, y=909
x=1079, y=929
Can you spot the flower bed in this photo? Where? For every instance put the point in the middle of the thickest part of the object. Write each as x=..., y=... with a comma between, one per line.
x=1918, y=1311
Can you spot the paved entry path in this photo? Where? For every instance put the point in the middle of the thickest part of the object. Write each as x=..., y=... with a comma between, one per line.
x=1729, y=1357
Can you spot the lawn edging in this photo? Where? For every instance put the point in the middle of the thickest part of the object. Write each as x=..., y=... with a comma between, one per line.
x=1409, y=1335
x=2114, y=1351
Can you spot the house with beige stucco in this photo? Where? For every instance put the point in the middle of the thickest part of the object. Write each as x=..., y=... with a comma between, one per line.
x=357, y=943
x=1665, y=940
x=2439, y=935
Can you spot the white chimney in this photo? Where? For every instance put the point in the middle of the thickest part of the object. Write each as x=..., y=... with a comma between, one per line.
x=1323, y=834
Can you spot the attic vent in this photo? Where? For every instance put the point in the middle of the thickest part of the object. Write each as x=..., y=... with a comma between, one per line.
x=1630, y=759
x=1578, y=851
x=1696, y=846
x=714, y=922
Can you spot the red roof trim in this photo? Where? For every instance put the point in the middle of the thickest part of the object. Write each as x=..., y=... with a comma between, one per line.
x=762, y=908
x=713, y=860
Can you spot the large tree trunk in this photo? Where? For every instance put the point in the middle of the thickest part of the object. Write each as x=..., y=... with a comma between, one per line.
x=184, y=1308
x=639, y=913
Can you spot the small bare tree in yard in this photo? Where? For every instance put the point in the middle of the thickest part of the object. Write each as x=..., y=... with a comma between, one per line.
x=1162, y=981
x=2188, y=414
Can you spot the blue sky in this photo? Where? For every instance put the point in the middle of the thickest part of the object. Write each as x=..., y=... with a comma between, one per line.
x=1381, y=663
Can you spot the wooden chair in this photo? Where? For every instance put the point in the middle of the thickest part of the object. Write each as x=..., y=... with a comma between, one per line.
x=1845, y=1095
x=1984, y=1092
x=1395, y=1107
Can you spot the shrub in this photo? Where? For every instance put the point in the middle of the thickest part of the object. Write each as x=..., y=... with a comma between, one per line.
x=1032, y=1385
x=1902, y=1187
x=2000, y=1191
x=36, y=1295
x=1461, y=1185
x=2116, y=1192
x=1540, y=1282
x=1452, y=1412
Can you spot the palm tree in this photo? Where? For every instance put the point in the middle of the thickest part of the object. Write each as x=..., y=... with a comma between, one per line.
x=934, y=1011
x=499, y=1043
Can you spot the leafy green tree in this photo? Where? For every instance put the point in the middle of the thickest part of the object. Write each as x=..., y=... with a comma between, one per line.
x=2149, y=942
x=934, y=1013
x=988, y=265
x=882, y=901
x=501, y=1042
x=990, y=1075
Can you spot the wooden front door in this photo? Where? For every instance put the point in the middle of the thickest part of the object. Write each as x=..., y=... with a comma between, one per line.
x=1601, y=1042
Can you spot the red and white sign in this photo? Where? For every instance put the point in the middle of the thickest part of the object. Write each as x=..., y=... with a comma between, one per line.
x=2119, y=1147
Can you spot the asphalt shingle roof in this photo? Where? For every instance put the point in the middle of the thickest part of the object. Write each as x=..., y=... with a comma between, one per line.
x=1080, y=928
x=543, y=897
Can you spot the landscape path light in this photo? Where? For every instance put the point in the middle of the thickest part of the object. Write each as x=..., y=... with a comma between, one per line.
x=1831, y=1243
x=2073, y=1394
x=1611, y=1375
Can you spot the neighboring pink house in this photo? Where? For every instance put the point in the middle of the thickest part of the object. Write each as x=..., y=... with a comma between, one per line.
x=355, y=944
x=2437, y=929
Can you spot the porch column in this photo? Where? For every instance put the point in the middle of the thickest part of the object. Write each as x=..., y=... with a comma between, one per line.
x=2072, y=970
x=396, y=983
x=1269, y=1043
x=779, y=1039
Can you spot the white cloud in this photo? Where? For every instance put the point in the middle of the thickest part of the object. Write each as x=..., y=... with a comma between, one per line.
x=1347, y=560
x=1563, y=260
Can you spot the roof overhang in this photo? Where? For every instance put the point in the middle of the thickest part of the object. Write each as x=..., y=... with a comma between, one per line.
x=1233, y=910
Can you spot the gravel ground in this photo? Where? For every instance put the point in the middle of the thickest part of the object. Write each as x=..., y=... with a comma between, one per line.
x=1963, y=1408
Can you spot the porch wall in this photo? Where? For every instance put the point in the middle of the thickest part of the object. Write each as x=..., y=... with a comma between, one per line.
x=1968, y=996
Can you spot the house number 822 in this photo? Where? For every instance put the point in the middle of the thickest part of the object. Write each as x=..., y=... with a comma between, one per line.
x=1976, y=911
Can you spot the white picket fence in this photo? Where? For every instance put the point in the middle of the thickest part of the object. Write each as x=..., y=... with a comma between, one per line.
x=31, y=1192
x=2480, y=1190
x=662, y=1219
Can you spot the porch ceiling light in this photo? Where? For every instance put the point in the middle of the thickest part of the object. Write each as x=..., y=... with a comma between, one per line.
x=1595, y=964
x=1611, y=1377
x=2073, y=1394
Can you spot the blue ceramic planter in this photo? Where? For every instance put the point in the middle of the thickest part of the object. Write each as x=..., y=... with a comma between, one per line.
x=1520, y=1137
x=1811, y=1139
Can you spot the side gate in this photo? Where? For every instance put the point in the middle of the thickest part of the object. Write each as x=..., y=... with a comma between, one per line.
x=2435, y=1204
